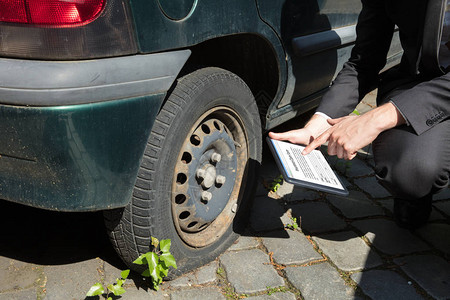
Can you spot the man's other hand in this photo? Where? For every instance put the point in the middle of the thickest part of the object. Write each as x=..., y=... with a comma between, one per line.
x=350, y=134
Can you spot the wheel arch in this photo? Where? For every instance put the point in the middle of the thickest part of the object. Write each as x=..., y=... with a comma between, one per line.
x=248, y=55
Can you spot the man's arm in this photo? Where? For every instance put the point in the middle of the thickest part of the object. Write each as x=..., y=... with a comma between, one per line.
x=349, y=134
x=360, y=74
x=426, y=104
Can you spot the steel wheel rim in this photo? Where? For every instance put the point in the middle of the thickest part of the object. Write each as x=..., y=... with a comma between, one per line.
x=208, y=177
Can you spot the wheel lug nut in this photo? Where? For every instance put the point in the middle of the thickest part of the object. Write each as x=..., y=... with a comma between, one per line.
x=220, y=179
x=206, y=196
x=200, y=174
x=216, y=157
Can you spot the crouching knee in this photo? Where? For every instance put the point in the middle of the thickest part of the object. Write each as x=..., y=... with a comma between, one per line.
x=412, y=179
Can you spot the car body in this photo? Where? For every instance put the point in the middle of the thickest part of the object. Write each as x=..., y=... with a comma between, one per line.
x=78, y=100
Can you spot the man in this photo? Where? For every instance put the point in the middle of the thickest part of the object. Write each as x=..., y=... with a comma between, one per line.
x=410, y=128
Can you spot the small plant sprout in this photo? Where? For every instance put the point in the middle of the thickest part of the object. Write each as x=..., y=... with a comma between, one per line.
x=158, y=261
x=276, y=183
x=356, y=112
x=293, y=225
x=116, y=288
x=220, y=271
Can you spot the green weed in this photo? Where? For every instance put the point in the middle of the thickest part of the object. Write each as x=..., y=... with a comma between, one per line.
x=276, y=183
x=116, y=288
x=293, y=225
x=158, y=262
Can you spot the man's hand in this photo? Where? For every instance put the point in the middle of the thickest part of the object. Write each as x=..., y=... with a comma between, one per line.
x=298, y=136
x=306, y=135
x=346, y=137
x=349, y=134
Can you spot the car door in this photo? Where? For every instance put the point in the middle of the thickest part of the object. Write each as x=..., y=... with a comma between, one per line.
x=318, y=36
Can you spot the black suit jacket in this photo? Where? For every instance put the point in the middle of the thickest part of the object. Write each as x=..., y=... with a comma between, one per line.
x=420, y=92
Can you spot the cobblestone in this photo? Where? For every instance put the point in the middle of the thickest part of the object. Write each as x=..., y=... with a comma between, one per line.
x=285, y=190
x=431, y=272
x=389, y=205
x=444, y=207
x=275, y=296
x=388, y=238
x=386, y=285
x=294, y=248
x=348, y=251
x=353, y=168
x=15, y=275
x=371, y=186
x=316, y=217
x=438, y=235
x=244, y=243
x=144, y=294
x=355, y=205
x=330, y=286
x=302, y=194
x=29, y=294
x=346, y=183
x=249, y=271
x=203, y=275
x=60, y=281
x=204, y=294
x=443, y=195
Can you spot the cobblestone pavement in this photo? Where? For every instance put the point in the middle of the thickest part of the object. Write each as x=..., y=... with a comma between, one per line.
x=343, y=248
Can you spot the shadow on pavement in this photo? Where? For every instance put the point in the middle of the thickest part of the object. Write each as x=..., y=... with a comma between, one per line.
x=53, y=238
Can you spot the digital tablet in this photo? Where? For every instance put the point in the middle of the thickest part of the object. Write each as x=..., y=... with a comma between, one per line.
x=310, y=171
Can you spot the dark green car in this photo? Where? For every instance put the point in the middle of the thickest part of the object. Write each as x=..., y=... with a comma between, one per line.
x=153, y=111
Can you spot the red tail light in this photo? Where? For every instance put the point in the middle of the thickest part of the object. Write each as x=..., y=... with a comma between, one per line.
x=50, y=12
x=66, y=29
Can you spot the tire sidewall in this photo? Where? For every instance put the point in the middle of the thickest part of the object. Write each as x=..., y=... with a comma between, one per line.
x=221, y=88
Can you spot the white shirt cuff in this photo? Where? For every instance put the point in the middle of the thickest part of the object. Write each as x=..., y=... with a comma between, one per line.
x=322, y=114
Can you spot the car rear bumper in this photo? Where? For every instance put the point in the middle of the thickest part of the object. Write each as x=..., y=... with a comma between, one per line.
x=78, y=147
x=54, y=83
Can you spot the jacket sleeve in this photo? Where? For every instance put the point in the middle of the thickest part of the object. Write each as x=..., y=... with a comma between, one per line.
x=426, y=104
x=360, y=74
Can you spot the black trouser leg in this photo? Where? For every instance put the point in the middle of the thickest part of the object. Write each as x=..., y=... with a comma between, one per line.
x=412, y=166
